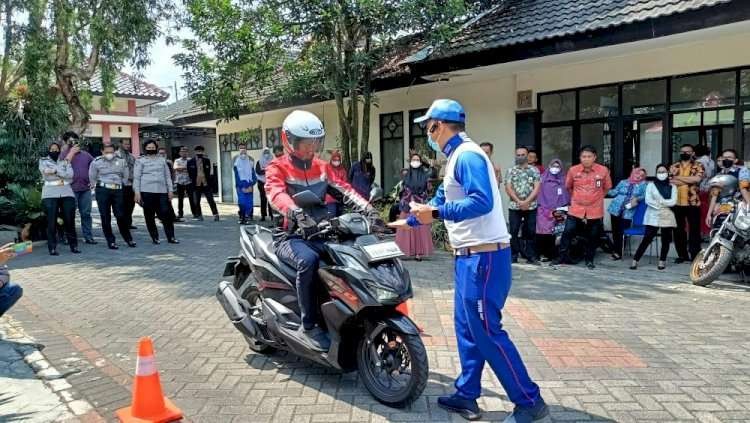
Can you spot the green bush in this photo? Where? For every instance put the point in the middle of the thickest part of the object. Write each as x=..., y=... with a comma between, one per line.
x=20, y=204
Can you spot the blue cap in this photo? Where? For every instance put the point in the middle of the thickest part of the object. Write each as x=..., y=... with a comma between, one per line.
x=445, y=110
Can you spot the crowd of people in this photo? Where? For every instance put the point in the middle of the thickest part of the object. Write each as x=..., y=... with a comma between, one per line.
x=554, y=211
x=119, y=180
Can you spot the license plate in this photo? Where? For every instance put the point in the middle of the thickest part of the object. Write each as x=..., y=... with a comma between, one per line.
x=382, y=251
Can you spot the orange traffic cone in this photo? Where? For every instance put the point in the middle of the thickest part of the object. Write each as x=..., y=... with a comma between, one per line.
x=403, y=308
x=149, y=404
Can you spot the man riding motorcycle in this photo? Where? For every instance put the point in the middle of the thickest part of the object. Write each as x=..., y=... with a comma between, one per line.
x=296, y=171
x=722, y=200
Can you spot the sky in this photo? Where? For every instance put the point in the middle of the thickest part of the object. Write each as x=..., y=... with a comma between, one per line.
x=163, y=72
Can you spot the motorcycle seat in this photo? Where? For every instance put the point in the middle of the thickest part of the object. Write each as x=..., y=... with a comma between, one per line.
x=263, y=243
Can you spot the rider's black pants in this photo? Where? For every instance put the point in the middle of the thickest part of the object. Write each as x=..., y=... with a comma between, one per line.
x=303, y=256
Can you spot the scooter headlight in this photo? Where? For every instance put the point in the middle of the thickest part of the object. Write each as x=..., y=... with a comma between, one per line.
x=384, y=295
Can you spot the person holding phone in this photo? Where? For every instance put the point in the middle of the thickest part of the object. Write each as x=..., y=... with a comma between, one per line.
x=80, y=161
x=9, y=291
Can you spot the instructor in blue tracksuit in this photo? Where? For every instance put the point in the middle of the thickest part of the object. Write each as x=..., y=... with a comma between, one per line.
x=470, y=204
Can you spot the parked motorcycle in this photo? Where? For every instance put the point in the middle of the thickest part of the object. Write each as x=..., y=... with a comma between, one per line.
x=361, y=284
x=730, y=236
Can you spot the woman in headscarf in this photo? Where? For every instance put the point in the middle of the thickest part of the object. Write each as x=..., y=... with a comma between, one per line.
x=661, y=196
x=417, y=241
x=552, y=195
x=260, y=172
x=57, y=195
x=362, y=175
x=244, y=179
x=626, y=196
x=338, y=171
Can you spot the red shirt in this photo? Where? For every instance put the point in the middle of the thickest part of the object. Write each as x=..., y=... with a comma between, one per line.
x=588, y=188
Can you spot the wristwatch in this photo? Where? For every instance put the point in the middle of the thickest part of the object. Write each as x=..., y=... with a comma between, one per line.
x=435, y=214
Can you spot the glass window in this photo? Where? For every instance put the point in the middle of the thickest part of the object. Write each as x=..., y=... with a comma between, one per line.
x=557, y=143
x=558, y=107
x=682, y=137
x=273, y=137
x=391, y=148
x=745, y=86
x=746, y=116
x=644, y=97
x=681, y=120
x=600, y=135
x=716, y=117
x=598, y=102
x=710, y=90
x=418, y=136
x=650, y=134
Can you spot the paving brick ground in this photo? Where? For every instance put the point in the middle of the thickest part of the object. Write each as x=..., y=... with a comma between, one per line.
x=605, y=345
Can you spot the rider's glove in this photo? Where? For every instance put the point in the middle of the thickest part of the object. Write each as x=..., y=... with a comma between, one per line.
x=304, y=223
x=376, y=222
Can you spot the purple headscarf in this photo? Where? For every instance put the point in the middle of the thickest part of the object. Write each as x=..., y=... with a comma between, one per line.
x=553, y=193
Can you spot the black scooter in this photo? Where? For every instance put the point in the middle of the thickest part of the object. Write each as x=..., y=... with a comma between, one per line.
x=361, y=282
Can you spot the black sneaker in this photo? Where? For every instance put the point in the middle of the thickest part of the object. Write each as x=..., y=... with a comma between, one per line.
x=131, y=244
x=198, y=218
x=316, y=338
x=113, y=246
x=533, y=262
x=133, y=227
x=75, y=250
x=173, y=241
x=216, y=218
x=467, y=409
x=538, y=413
x=590, y=265
x=90, y=241
x=53, y=253
x=514, y=260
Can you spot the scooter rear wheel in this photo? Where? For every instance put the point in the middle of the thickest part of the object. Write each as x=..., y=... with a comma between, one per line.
x=394, y=367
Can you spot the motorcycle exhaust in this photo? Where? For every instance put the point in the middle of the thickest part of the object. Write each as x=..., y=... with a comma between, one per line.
x=230, y=302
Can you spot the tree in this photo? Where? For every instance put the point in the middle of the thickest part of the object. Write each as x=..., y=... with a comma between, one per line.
x=253, y=54
x=11, y=70
x=76, y=38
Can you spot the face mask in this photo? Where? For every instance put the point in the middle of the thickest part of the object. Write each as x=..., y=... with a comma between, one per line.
x=336, y=163
x=727, y=163
x=150, y=152
x=54, y=155
x=522, y=160
x=662, y=176
x=685, y=156
x=433, y=145
x=416, y=164
x=243, y=152
x=109, y=156
x=199, y=155
x=554, y=170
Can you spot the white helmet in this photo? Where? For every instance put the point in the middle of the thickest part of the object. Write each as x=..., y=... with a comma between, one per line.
x=300, y=125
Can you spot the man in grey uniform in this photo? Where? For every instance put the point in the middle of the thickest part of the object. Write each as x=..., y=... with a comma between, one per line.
x=127, y=190
x=108, y=175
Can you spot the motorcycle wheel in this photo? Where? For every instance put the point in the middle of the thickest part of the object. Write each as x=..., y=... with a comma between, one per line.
x=254, y=299
x=718, y=258
x=394, y=367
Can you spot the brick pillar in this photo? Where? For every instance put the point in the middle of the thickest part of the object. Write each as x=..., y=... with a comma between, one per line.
x=135, y=140
x=106, y=138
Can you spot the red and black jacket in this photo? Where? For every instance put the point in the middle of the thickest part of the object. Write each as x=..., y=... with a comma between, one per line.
x=288, y=175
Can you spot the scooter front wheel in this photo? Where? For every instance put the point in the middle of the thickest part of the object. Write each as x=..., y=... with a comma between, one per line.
x=393, y=367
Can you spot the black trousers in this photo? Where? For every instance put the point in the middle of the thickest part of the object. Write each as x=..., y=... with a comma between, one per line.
x=182, y=192
x=128, y=204
x=67, y=206
x=545, y=245
x=200, y=192
x=111, y=201
x=648, y=237
x=157, y=204
x=523, y=221
x=591, y=230
x=619, y=225
x=265, y=205
x=687, y=234
x=304, y=256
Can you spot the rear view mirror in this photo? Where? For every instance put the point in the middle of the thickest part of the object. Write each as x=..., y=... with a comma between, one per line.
x=376, y=193
x=306, y=199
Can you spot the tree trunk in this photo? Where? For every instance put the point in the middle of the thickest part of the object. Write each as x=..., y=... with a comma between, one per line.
x=366, y=97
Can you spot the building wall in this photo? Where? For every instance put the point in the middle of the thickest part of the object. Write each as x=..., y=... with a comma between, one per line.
x=489, y=94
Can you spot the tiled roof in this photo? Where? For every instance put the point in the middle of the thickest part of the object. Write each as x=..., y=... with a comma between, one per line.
x=521, y=21
x=129, y=86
